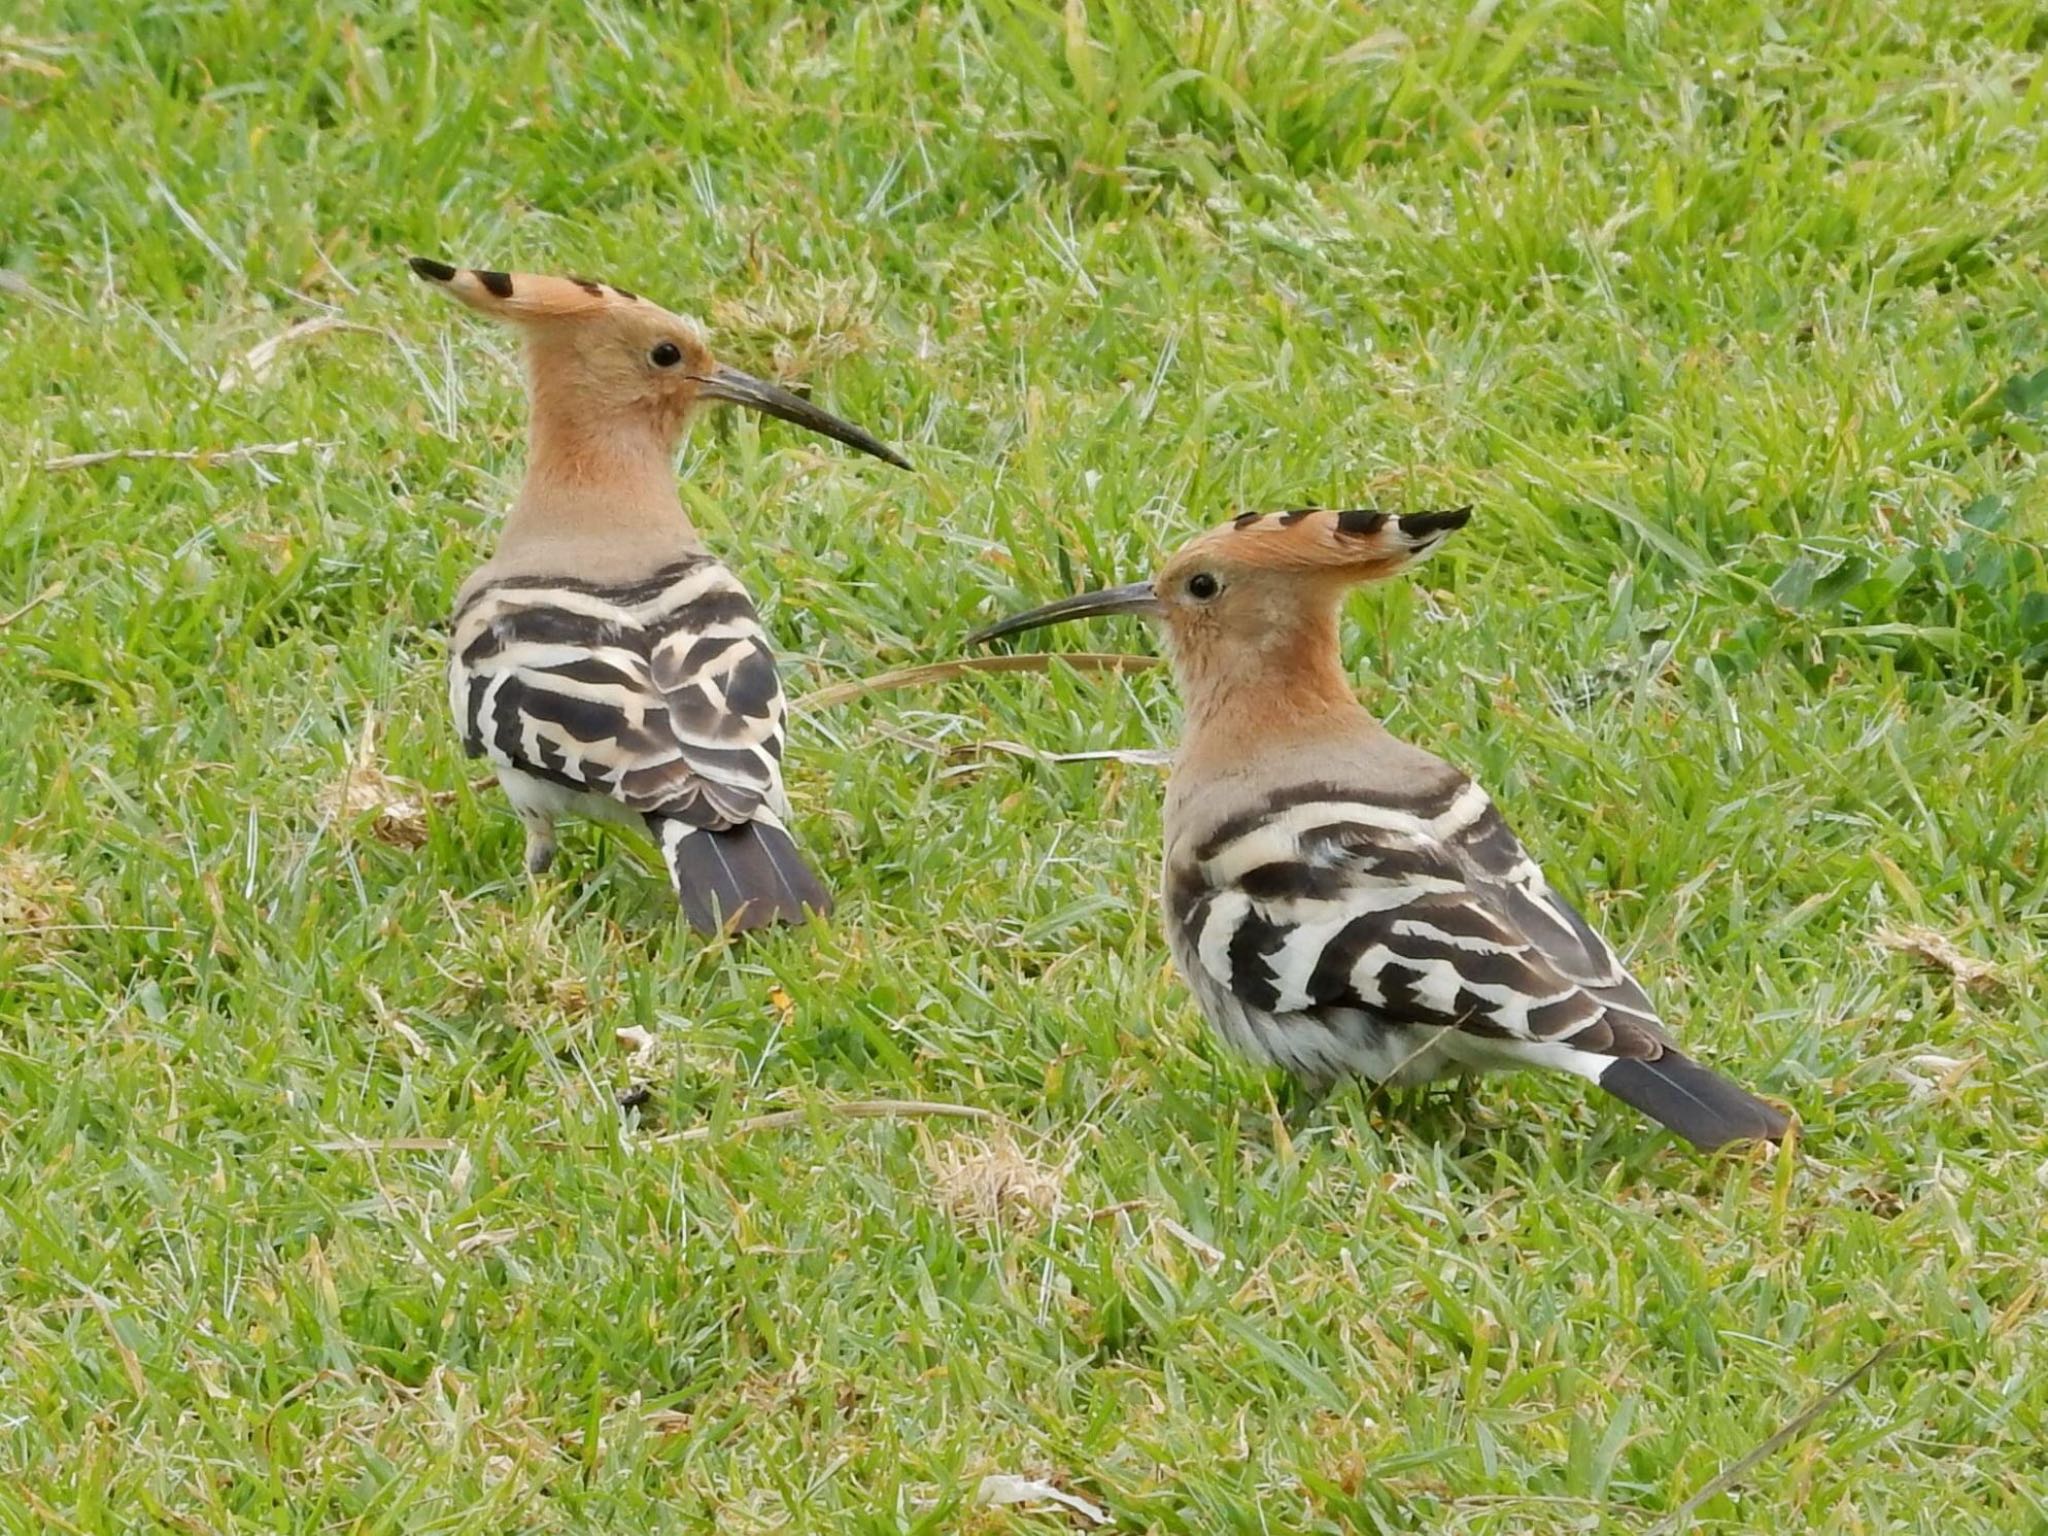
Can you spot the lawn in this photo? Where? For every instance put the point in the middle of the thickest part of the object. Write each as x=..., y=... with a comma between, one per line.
x=319, y=1208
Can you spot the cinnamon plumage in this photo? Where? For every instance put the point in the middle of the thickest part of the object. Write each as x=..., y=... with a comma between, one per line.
x=1343, y=903
x=604, y=662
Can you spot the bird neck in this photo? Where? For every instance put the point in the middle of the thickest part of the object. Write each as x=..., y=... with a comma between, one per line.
x=1249, y=695
x=605, y=478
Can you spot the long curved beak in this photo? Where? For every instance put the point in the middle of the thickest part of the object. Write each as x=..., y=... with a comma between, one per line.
x=1136, y=598
x=724, y=383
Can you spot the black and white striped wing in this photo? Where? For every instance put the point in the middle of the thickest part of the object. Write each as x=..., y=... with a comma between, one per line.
x=1417, y=915
x=661, y=695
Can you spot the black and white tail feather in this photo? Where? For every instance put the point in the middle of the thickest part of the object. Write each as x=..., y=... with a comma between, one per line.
x=1343, y=931
x=752, y=870
x=655, y=702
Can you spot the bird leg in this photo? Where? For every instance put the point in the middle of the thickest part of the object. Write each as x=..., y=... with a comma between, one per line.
x=540, y=842
x=1301, y=1097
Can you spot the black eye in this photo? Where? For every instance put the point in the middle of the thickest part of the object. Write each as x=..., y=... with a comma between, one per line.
x=666, y=354
x=1202, y=586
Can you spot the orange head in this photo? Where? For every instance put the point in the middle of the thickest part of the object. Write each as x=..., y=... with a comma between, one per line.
x=1258, y=574
x=1250, y=608
x=611, y=372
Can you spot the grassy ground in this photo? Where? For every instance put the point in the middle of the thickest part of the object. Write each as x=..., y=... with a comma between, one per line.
x=317, y=1209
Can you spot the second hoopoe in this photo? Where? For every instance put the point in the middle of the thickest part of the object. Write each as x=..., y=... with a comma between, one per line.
x=603, y=661
x=1345, y=904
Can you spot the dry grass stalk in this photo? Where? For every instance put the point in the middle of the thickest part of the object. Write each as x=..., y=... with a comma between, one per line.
x=991, y=1182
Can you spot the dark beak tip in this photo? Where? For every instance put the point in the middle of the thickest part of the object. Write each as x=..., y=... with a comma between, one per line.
x=433, y=271
x=1137, y=598
x=873, y=447
x=738, y=387
x=1003, y=628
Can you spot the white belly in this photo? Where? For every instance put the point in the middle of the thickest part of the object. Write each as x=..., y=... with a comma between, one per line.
x=1326, y=1046
x=536, y=798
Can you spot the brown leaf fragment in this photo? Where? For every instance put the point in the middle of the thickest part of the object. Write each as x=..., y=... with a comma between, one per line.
x=1979, y=977
x=34, y=896
x=397, y=814
x=1003, y=1488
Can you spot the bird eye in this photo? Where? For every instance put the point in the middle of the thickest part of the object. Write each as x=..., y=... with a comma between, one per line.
x=1202, y=586
x=666, y=354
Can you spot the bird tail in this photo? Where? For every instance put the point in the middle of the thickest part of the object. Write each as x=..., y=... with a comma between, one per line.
x=738, y=878
x=1698, y=1103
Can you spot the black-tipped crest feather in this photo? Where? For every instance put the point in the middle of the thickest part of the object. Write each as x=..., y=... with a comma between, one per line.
x=1420, y=525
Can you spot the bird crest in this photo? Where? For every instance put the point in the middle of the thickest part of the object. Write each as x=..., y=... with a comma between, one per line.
x=517, y=296
x=1359, y=543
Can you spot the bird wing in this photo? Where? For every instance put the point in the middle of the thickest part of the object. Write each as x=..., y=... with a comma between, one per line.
x=661, y=694
x=1428, y=912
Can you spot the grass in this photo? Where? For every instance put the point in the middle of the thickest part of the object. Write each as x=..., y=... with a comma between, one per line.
x=318, y=1210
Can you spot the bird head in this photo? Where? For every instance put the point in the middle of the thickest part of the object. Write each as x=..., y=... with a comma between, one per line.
x=1254, y=582
x=602, y=362
x=1250, y=614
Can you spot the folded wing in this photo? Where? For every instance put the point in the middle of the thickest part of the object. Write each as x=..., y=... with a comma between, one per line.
x=1429, y=914
x=661, y=696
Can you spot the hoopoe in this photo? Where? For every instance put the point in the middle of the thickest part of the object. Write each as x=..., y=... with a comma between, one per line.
x=1343, y=903
x=603, y=661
